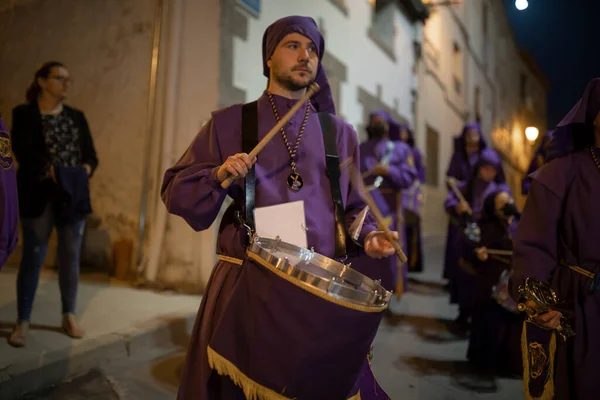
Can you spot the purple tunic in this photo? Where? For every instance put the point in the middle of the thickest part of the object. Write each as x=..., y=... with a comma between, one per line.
x=494, y=344
x=461, y=168
x=192, y=191
x=560, y=221
x=388, y=200
x=462, y=283
x=9, y=202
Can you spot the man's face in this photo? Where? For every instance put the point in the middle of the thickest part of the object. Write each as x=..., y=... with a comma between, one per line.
x=379, y=127
x=487, y=173
x=294, y=62
x=472, y=137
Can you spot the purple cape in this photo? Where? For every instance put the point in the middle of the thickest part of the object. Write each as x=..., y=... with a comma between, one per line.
x=9, y=202
x=576, y=130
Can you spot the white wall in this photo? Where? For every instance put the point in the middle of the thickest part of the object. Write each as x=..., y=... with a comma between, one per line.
x=107, y=46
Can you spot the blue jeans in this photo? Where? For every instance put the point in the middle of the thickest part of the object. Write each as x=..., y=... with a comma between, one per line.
x=36, y=233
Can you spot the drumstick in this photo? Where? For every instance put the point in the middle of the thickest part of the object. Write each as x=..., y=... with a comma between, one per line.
x=452, y=182
x=380, y=220
x=312, y=89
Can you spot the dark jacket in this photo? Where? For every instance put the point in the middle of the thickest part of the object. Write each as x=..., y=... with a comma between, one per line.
x=30, y=150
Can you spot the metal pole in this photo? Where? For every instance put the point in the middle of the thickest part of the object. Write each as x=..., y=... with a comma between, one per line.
x=149, y=129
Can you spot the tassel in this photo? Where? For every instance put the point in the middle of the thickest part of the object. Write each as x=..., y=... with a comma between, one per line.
x=252, y=390
x=548, y=393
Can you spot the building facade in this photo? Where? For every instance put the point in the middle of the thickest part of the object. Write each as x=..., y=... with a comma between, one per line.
x=148, y=73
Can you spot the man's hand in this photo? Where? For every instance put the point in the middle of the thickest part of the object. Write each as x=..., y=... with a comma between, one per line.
x=53, y=174
x=237, y=166
x=381, y=169
x=549, y=319
x=88, y=168
x=461, y=208
x=378, y=246
x=482, y=253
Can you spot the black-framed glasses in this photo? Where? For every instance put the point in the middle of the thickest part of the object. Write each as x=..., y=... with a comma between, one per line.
x=62, y=79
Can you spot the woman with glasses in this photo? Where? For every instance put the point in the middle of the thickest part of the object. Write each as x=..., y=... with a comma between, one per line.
x=56, y=156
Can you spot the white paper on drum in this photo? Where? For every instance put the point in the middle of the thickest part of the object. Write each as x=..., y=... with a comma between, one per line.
x=284, y=220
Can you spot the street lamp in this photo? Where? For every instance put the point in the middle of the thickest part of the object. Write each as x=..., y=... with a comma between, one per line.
x=521, y=4
x=531, y=133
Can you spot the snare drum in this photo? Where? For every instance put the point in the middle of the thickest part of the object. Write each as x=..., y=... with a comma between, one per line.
x=298, y=324
x=319, y=274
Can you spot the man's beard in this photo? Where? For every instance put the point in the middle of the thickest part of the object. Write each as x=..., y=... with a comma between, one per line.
x=288, y=82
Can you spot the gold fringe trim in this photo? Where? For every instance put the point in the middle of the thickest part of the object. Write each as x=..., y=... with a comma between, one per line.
x=252, y=390
x=548, y=393
x=312, y=290
x=231, y=260
x=356, y=396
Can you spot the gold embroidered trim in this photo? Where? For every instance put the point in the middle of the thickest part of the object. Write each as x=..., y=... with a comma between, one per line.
x=548, y=393
x=314, y=291
x=231, y=260
x=252, y=390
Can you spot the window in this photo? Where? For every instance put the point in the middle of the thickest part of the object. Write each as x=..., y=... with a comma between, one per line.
x=383, y=28
x=457, y=68
x=433, y=143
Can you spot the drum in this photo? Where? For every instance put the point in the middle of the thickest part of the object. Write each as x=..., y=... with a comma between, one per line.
x=319, y=273
x=298, y=324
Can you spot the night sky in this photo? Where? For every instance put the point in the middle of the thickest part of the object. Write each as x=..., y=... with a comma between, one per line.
x=560, y=35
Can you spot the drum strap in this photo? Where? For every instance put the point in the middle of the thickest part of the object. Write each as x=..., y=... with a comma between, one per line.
x=249, y=141
x=332, y=163
x=333, y=173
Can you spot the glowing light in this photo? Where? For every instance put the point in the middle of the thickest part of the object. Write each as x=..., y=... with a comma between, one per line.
x=531, y=133
x=521, y=4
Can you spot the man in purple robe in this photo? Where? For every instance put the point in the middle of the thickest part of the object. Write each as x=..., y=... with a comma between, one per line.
x=292, y=51
x=494, y=345
x=388, y=168
x=412, y=202
x=475, y=190
x=9, y=201
x=557, y=243
x=539, y=159
x=467, y=148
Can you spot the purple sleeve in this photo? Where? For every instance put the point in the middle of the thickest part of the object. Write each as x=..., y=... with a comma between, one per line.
x=535, y=250
x=402, y=173
x=190, y=188
x=9, y=201
x=451, y=202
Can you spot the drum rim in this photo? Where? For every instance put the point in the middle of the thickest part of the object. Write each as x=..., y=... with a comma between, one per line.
x=373, y=294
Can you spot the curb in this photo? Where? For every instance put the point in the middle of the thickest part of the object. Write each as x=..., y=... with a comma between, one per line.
x=62, y=365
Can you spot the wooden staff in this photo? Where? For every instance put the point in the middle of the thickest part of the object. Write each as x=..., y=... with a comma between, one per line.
x=313, y=88
x=379, y=217
x=453, y=185
x=500, y=252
